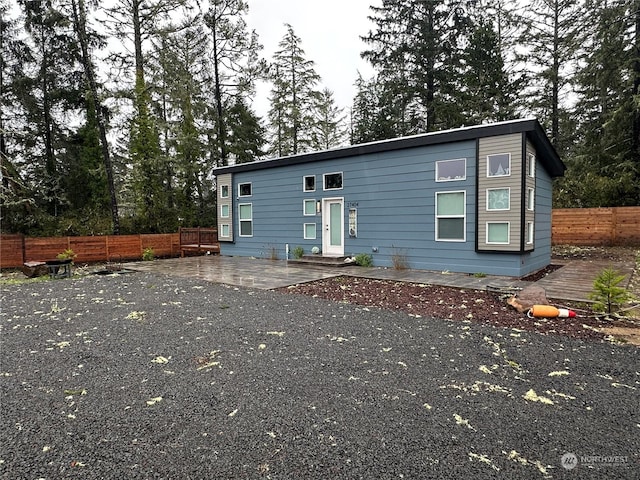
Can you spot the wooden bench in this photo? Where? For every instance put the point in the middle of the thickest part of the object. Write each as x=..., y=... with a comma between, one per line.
x=199, y=240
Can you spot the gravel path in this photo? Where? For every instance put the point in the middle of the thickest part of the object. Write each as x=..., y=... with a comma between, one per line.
x=141, y=376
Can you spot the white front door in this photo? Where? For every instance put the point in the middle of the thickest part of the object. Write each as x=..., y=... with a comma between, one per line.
x=333, y=227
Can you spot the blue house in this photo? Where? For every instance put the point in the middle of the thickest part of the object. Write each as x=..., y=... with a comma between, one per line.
x=472, y=199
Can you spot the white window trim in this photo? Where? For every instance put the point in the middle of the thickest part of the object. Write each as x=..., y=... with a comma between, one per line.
x=240, y=220
x=245, y=196
x=531, y=199
x=463, y=216
x=438, y=179
x=488, y=164
x=530, y=233
x=531, y=166
x=222, y=225
x=304, y=231
x=304, y=204
x=508, y=242
x=221, y=190
x=222, y=215
x=304, y=183
x=324, y=175
x=498, y=209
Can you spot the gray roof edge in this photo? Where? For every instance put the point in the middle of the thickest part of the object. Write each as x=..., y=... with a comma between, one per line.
x=553, y=164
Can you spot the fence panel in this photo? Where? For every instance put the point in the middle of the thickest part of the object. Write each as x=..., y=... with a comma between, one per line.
x=42, y=249
x=596, y=226
x=12, y=250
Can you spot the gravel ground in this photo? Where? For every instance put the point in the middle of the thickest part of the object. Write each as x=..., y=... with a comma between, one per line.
x=140, y=376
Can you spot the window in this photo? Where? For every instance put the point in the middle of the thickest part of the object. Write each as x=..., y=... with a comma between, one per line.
x=498, y=198
x=224, y=191
x=531, y=165
x=499, y=165
x=498, y=233
x=245, y=214
x=332, y=181
x=309, y=207
x=451, y=170
x=309, y=183
x=224, y=211
x=450, y=216
x=531, y=199
x=224, y=232
x=309, y=231
x=529, y=233
x=244, y=190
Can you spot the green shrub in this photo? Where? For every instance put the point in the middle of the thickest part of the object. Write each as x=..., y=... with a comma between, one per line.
x=298, y=252
x=148, y=254
x=68, y=254
x=364, y=260
x=607, y=292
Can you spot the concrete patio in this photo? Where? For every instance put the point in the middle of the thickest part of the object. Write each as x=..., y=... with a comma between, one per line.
x=574, y=281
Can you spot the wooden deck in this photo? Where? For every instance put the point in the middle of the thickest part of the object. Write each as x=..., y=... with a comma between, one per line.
x=574, y=281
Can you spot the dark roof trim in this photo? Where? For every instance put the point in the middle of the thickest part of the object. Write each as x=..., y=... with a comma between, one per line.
x=546, y=153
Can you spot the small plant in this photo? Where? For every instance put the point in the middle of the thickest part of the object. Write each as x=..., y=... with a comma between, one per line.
x=273, y=252
x=364, y=260
x=148, y=254
x=607, y=292
x=479, y=274
x=68, y=254
x=298, y=252
x=399, y=258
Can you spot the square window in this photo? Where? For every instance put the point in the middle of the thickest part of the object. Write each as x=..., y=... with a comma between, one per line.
x=498, y=233
x=499, y=165
x=224, y=211
x=498, y=198
x=245, y=214
x=309, y=183
x=224, y=191
x=531, y=199
x=332, y=181
x=309, y=207
x=529, y=233
x=225, y=231
x=451, y=170
x=531, y=165
x=244, y=190
x=309, y=231
x=450, y=216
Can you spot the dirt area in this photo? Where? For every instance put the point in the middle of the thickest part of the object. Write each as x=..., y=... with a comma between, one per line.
x=423, y=300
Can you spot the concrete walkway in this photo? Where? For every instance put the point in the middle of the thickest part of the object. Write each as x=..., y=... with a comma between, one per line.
x=574, y=281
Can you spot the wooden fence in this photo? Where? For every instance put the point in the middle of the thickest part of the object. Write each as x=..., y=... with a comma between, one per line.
x=17, y=249
x=596, y=226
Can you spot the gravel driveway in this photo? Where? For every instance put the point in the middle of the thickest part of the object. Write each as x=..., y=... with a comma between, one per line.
x=141, y=376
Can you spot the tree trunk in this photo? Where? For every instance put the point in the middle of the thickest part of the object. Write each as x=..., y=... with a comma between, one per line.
x=80, y=24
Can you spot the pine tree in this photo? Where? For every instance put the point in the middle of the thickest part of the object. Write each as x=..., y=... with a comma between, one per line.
x=328, y=130
x=293, y=97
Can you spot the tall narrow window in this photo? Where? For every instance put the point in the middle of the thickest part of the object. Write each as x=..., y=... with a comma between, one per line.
x=224, y=211
x=450, y=216
x=529, y=233
x=531, y=198
x=309, y=231
x=225, y=230
x=245, y=214
x=224, y=191
x=531, y=165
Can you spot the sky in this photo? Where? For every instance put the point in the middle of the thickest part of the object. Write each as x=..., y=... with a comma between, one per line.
x=329, y=31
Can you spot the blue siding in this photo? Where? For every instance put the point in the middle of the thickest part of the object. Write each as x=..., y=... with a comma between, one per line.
x=394, y=194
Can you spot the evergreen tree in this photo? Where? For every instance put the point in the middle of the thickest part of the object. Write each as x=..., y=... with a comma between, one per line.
x=293, y=97
x=328, y=129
